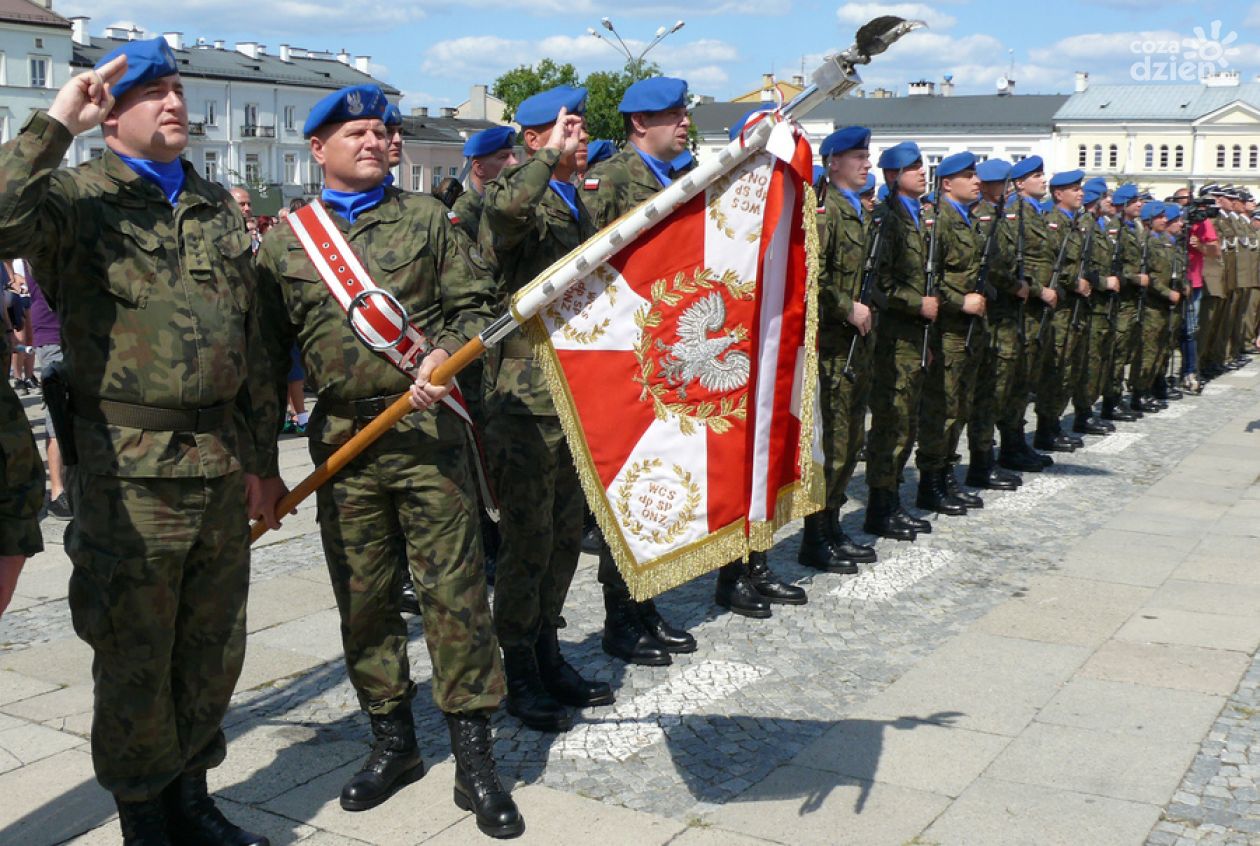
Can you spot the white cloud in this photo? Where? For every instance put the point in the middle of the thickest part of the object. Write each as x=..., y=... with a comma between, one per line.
x=859, y=13
x=283, y=18
x=701, y=78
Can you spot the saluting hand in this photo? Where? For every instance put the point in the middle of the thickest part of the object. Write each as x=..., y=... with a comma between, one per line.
x=566, y=133
x=86, y=100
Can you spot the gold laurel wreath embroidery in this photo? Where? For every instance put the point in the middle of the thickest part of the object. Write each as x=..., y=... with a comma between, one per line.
x=716, y=417
x=594, y=333
x=678, y=525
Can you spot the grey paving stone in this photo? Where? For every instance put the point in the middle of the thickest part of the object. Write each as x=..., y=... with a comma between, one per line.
x=1239, y=600
x=1073, y=611
x=1161, y=715
x=1191, y=628
x=1174, y=666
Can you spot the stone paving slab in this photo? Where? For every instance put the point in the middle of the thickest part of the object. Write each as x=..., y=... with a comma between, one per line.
x=1175, y=666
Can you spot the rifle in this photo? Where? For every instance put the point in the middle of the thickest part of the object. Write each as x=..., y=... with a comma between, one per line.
x=1113, y=303
x=1180, y=263
x=1047, y=312
x=1019, y=272
x=1141, y=309
x=1075, y=324
x=986, y=258
x=930, y=270
x=866, y=291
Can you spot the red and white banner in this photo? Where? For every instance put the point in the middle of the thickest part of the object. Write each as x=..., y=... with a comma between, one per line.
x=684, y=372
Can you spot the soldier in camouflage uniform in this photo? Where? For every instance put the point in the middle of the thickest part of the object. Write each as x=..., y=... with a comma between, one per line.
x=21, y=482
x=1097, y=336
x=1133, y=282
x=1160, y=298
x=149, y=271
x=1000, y=355
x=411, y=495
x=897, y=375
x=950, y=382
x=488, y=152
x=532, y=216
x=1064, y=328
x=844, y=323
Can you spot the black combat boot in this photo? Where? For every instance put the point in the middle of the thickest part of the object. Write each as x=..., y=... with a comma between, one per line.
x=956, y=490
x=561, y=680
x=527, y=699
x=934, y=497
x=1046, y=439
x=881, y=516
x=847, y=547
x=410, y=601
x=1112, y=409
x=592, y=540
x=143, y=823
x=817, y=550
x=1014, y=456
x=1143, y=403
x=1032, y=454
x=1083, y=424
x=735, y=592
x=773, y=590
x=918, y=525
x=1075, y=440
x=625, y=636
x=192, y=818
x=477, y=785
x=677, y=641
x=393, y=762
x=983, y=472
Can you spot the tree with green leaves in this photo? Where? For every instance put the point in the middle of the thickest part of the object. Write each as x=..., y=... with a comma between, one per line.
x=525, y=81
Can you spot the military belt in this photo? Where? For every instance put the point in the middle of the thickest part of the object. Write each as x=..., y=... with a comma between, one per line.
x=517, y=347
x=362, y=410
x=152, y=418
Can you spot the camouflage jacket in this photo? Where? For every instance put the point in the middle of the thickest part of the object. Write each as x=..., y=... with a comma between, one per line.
x=618, y=184
x=1040, y=246
x=21, y=474
x=958, y=259
x=467, y=211
x=1161, y=260
x=1132, y=238
x=1068, y=241
x=525, y=228
x=409, y=247
x=156, y=305
x=842, y=250
x=1001, y=276
x=901, y=261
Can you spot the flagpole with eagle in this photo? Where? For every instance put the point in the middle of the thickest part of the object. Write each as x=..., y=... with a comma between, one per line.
x=689, y=383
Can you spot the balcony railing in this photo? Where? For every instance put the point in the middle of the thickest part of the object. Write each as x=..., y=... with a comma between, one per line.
x=253, y=131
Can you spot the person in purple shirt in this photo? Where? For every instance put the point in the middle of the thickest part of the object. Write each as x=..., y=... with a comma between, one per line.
x=46, y=338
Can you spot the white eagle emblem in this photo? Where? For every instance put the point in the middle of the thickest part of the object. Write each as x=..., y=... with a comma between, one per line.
x=354, y=103
x=696, y=356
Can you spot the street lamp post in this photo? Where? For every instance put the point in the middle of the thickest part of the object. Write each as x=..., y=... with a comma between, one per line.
x=635, y=64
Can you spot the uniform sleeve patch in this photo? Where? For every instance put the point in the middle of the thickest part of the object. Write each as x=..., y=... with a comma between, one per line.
x=452, y=217
x=985, y=218
x=590, y=184
x=1053, y=225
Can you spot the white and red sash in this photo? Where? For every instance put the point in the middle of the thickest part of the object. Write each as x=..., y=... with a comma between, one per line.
x=375, y=316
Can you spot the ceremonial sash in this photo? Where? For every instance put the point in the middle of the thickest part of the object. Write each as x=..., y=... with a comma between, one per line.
x=376, y=317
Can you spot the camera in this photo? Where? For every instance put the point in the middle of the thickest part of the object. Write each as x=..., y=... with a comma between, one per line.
x=1202, y=208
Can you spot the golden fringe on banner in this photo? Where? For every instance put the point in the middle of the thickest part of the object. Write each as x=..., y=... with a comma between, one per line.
x=727, y=544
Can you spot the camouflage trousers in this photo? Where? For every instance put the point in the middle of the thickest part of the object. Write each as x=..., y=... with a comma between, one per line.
x=410, y=497
x=1154, y=344
x=161, y=571
x=1096, y=342
x=996, y=379
x=1123, y=349
x=896, y=385
x=1012, y=416
x=843, y=405
x=1060, y=359
x=542, y=509
x=1172, y=338
x=948, y=389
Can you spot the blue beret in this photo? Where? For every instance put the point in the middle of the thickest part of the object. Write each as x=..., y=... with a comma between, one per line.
x=1096, y=183
x=1150, y=211
x=870, y=184
x=843, y=140
x=354, y=103
x=929, y=197
x=146, y=60
x=993, y=170
x=1066, y=178
x=881, y=194
x=1046, y=205
x=819, y=172
x=1027, y=166
x=1125, y=194
x=393, y=116
x=956, y=164
x=900, y=156
x=598, y=150
x=489, y=141
x=544, y=108
x=654, y=95
x=739, y=125
x=1172, y=211
x=1091, y=194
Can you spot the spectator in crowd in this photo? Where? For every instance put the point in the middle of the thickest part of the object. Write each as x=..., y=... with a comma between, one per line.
x=1204, y=241
x=46, y=338
x=18, y=302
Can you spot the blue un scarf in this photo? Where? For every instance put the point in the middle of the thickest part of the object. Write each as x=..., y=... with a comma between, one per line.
x=167, y=176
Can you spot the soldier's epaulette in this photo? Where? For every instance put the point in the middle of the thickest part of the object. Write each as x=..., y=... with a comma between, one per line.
x=452, y=217
x=590, y=184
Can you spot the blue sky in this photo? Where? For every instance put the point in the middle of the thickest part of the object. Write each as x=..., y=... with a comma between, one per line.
x=435, y=49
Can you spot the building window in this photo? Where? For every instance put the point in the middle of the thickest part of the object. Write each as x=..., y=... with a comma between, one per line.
x=436, y=181
x=417, y=178
x=290, y=168
x=288, y=118
x=1113, y=156
x=253, y=169
x=1097, y=155
x=1253, y=156
x=1018, y=157
x=39, y=72
x=212, y=166
x=1148, y=157
x=212, y=113
x=454, y=173
x=315, y=175
x=1082, y=155
x=1237, y=156
x=4, y=74
x=1179, y=157
x=1220, y=155
x=96, y=152
x=251, y=114
x=1163, y=156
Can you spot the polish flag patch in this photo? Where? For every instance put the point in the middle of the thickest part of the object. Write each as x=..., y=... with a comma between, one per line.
x=590, y=185
x=453, y=218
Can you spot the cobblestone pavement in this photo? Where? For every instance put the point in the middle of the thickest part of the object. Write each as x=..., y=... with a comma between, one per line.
x=686, y=739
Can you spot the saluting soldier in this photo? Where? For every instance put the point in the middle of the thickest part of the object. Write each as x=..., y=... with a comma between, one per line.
x=174, y=421
x=411, y=494
x=842, y=318
x=897, y=377
x=488, y=152
x=532, y=216
x=950, y=382
x=21, y=483
x=1060, y=357
x=1001, y=353
x=1128, y=257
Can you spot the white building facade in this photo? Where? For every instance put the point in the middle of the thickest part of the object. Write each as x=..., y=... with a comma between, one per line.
x=35, y=52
